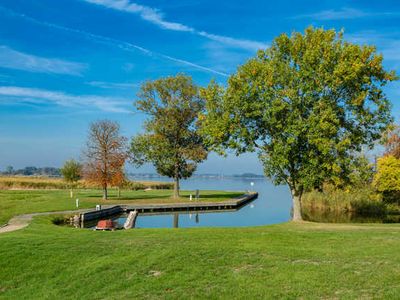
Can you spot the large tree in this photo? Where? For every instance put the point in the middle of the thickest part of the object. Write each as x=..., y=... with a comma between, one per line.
x=105, y=154
x=171, y=141
x=71, y=171
x=307, y=104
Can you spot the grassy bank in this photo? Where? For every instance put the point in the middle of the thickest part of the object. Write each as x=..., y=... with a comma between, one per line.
x=28, y=201
x=31, y=182
x=292, y=260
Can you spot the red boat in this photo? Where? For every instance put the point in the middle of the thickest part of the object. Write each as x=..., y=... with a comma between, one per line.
x=105, y=225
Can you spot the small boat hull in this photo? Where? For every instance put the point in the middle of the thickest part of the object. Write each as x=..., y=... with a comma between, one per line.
x=105, y=225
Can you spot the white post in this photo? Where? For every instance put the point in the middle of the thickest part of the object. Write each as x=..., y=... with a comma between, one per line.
x=77, y=203
x=190, y=198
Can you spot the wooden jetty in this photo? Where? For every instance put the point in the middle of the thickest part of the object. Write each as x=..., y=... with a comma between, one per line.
x=193, y=206
x=234, y=203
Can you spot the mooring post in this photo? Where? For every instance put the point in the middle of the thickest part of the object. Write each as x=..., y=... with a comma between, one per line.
x=176, y=220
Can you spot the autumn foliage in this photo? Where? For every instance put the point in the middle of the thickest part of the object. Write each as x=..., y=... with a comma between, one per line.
x=105, y=155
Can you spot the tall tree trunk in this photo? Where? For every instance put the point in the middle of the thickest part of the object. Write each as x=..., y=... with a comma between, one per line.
x=296, y=201
x=105, y=195
x=176, y=188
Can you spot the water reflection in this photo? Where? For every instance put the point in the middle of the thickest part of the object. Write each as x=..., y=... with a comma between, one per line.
x=176, y=220
x=347, y=217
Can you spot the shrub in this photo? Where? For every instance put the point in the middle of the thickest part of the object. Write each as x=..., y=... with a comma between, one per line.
x=387, y=178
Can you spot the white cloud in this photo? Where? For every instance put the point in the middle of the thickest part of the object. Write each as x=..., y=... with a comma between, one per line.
x=245, y=44
x=112, y=85
x=116, y=43
x=341, y=14
x=156, y=17
x=39, y=96
x=146, y=13
x=12, y=59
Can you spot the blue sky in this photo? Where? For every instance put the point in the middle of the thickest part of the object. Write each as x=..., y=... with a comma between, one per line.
x=66, y=63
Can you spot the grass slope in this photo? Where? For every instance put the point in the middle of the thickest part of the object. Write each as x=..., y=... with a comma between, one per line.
x=27, y=201
x=292, y=260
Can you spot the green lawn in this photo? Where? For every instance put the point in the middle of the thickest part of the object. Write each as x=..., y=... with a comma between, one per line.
x=292, y=260
x=15, y=202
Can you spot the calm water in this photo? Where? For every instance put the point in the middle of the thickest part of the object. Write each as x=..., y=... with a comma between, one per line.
x=272, y=206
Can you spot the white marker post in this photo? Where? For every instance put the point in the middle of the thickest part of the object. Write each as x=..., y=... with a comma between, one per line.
x=77, y=203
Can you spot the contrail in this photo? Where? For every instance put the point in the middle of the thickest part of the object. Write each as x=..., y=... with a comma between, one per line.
x=113, y=42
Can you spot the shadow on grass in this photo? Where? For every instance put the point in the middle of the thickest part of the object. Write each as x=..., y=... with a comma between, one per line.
x=220, y=196
x=136, y=197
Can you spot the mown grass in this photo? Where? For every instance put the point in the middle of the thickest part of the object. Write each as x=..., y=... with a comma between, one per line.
x=16, y=202
x=292, y=260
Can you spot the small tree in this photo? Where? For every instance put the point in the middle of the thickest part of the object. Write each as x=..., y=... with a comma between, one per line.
x=71, y=171
x=118, y=179
x=171, y=141
x=307, y=104
x=9, y=170
x=105, y=154
x=387, y=178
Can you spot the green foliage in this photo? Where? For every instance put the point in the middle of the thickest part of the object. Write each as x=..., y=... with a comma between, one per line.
x=71, y=171
x=171, y=141
x=359, y=201
x=361, y=173
x=307, y=104
x=387, y=178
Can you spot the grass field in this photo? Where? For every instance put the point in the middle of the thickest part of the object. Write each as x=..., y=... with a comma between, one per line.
x=16, y=202
x=292, y=260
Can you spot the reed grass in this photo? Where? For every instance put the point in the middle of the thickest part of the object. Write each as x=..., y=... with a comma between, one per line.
x=49, y=183
x=360, y=201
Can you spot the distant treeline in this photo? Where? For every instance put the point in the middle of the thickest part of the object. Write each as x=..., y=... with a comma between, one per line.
x=204, y=175
x=32, y=171
x=55, y=172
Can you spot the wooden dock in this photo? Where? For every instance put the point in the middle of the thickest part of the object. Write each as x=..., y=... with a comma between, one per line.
x=232, y=204
x=192, y=206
